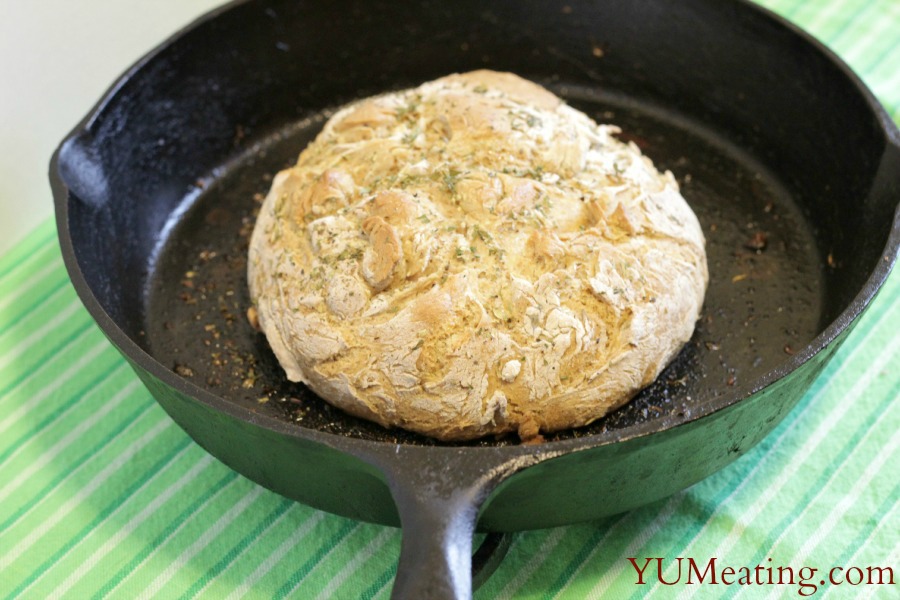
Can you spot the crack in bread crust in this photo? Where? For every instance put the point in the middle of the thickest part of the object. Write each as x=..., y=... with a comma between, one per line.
x=475, y=257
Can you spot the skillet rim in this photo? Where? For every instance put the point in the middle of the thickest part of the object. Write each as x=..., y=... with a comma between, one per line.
x=138, y=357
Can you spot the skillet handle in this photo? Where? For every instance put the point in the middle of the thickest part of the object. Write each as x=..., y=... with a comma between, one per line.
x=436, y=549
x=439, y=493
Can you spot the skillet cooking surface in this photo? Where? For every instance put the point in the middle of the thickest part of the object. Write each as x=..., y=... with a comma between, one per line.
x=764, y=299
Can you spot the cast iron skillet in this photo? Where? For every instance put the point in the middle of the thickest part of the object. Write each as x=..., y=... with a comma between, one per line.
x=791, y=165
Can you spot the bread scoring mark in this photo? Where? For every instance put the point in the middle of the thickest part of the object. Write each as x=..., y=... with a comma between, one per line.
x=325, y=195
x=382, y=257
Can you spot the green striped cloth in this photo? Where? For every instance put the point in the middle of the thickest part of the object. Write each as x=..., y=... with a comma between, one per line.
x=102, y=496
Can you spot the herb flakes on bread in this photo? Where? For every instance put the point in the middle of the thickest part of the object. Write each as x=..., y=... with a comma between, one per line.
x=474, y=257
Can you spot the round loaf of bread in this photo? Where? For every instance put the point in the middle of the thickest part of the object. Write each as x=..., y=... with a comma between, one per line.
x=472, y=257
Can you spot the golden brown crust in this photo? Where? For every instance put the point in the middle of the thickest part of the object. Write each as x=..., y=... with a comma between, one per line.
x=473, y=256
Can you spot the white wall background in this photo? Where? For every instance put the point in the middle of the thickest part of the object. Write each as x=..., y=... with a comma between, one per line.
x=57, y=57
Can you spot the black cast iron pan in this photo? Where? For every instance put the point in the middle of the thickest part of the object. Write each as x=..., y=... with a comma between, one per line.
x=791, y=165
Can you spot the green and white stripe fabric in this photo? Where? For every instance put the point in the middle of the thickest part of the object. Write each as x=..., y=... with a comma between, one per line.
x=102, y=496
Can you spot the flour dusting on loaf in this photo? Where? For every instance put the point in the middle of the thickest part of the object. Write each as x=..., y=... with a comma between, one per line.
x=472, y=257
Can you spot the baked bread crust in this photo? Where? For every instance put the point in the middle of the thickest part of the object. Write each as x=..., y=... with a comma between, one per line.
x=474, y=257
